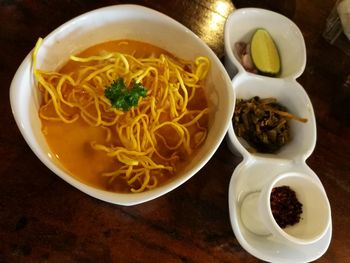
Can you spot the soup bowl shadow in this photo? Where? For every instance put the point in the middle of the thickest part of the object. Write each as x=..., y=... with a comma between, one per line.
x=113, y=23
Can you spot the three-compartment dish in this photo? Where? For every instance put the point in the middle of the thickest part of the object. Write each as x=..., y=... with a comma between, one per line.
x=251, y=218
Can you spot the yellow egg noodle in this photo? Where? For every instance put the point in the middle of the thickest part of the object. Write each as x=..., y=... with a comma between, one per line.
x=170, y=88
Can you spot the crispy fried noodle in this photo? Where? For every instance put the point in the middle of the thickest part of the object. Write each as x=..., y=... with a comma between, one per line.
x=141, y=150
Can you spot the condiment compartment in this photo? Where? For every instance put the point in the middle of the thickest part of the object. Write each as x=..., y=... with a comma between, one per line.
x=249, y=177
x=288, y=93
x=241, y=25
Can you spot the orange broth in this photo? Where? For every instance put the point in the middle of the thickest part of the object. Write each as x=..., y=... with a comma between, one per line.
x=70, y=143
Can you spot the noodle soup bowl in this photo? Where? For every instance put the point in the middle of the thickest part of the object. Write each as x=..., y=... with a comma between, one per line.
x=113, y=23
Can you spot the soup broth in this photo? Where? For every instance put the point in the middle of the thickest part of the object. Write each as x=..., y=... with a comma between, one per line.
x=71, y=143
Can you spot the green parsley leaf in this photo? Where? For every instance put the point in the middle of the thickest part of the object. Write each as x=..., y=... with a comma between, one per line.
x=122, y=97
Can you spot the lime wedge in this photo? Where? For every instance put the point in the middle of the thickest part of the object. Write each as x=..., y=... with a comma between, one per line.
x=264, y=53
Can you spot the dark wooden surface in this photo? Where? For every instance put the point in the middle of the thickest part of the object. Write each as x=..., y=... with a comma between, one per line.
x=43, y=219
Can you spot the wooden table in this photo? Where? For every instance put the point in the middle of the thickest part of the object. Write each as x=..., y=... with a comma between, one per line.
x=44, y=219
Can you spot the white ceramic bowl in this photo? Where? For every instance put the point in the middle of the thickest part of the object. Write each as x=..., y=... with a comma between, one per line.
x=111, y=23
x=256, y=213
x=241, y=25
x=316, y=212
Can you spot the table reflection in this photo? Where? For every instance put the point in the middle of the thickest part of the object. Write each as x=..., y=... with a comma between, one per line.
x=207, y=20
x=212, y=27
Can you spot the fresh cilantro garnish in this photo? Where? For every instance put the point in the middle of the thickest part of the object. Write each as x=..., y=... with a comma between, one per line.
x=122, y=97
